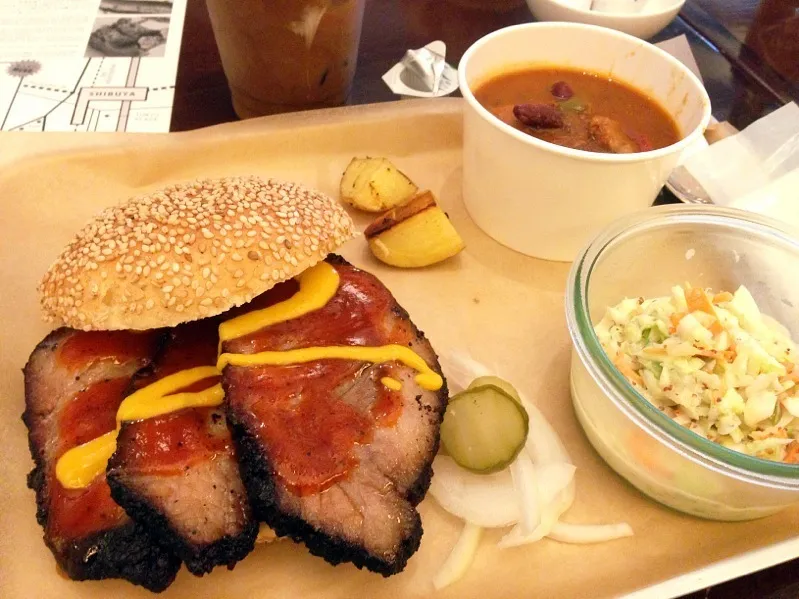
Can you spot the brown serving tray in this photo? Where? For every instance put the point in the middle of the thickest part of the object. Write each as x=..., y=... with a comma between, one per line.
x=503, y=308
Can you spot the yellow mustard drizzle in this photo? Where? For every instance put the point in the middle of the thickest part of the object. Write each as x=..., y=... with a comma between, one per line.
x=82, y=464
x=79, y=466
x=427, y=378
x=391, y=383
x=318, y=285
x=161, y=398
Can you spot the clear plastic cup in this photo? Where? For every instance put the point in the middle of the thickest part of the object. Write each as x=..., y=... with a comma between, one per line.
x=287, y=55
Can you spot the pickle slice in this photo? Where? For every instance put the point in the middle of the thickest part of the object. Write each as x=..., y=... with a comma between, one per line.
x=484, y=429
x=502, y=384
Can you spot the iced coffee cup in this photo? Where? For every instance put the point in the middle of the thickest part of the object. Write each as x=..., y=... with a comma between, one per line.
x=287, y=55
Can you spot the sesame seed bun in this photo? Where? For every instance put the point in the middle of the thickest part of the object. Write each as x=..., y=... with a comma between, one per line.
x=190, y=251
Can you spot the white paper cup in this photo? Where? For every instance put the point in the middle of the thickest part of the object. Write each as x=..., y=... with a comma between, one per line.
x=545, y=200
x=643, y=22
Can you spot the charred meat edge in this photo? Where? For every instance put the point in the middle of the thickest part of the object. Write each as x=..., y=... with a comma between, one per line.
x=127, y=551
x=225, y=551
x=199, y=561
x=259, y=481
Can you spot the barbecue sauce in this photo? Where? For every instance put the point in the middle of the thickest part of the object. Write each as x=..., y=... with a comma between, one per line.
x=173, y=443
x=90, y=414
x=77, y=513
x=80, y=465
x=311, y=433
x=312, y=441
x=82, y=350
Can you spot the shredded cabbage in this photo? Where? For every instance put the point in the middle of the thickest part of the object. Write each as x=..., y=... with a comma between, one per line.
x=712, y=362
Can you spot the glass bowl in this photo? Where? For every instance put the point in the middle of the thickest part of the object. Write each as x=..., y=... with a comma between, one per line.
x=644, y=255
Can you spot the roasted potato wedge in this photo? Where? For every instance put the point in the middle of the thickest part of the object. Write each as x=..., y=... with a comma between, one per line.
x=398, y=214
x=415, y=234
x=375, y=185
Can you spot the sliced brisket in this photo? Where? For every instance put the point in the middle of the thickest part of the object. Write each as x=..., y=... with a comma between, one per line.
x=177, y=474
x=74, y=383
x=330, y=456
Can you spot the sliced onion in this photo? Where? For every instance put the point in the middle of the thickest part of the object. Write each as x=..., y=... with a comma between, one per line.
x=555, y=493
x=543, y=444
x=589, y=533
x=524, y=482
x=487, y=500
x=532, y=494
x=460, y=558
x=461, y=370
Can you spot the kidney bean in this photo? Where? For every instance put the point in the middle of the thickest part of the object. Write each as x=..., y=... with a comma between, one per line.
x=539, y=116
x=561, y=90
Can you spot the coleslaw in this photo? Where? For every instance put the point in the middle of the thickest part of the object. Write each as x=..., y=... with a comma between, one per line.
x=712, y=362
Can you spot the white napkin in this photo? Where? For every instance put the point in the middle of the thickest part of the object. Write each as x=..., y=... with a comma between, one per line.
x=756, y=169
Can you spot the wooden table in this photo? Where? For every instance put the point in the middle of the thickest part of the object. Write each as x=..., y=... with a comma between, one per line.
x=745, y=79
x=741, y=84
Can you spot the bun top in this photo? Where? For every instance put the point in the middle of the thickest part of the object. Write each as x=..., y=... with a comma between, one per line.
x=190, y=251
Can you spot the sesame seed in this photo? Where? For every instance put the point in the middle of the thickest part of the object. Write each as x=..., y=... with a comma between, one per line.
x=185, y=224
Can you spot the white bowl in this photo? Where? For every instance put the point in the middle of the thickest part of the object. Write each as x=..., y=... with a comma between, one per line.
x=545, y=200
x=643, y=25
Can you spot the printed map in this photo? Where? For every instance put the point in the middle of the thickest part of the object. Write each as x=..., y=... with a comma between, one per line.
x=123, y=81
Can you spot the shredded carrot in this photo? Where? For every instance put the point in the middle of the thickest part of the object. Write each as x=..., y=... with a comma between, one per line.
x=698, y=301
x=675, y=321
x=716, y=328
x=724, y=296
x=649, y=454
x=627, y=370
x=792, y=453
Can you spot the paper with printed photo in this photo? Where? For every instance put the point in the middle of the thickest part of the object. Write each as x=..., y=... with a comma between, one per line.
x=99, y=65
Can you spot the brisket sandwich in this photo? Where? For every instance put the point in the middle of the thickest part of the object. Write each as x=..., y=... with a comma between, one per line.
x=220, y=370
